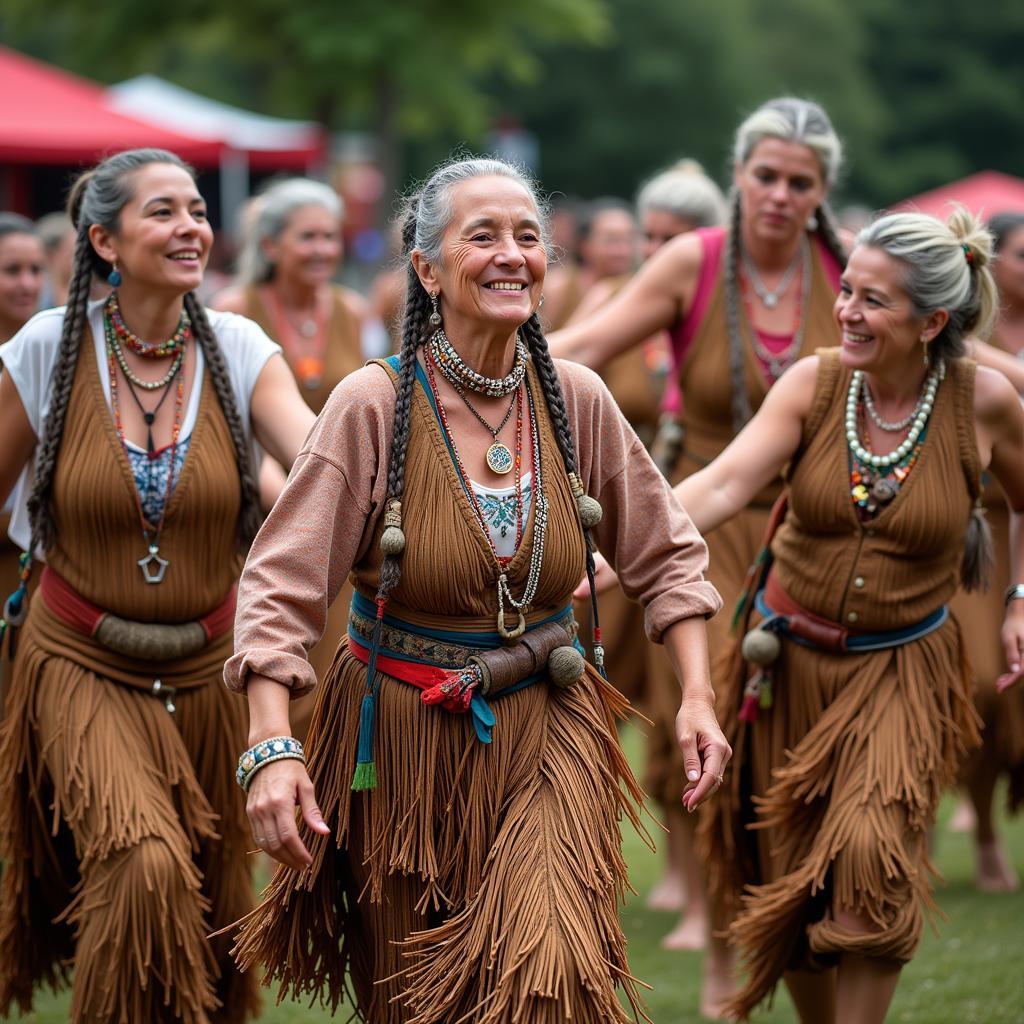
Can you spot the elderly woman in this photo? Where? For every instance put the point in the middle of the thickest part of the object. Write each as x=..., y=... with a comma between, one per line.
x=857, y=708
x=458, y=854
x=129, y=424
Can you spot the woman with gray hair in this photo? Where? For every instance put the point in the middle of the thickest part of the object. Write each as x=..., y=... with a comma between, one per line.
x=290, y=253
x=458, y=854
x=857, y=708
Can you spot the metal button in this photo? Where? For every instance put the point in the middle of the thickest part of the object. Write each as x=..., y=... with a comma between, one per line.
x=859, y=581
x=852, y=617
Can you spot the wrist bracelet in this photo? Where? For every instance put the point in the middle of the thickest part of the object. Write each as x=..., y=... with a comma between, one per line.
x=277, y=748
x=1015, y=592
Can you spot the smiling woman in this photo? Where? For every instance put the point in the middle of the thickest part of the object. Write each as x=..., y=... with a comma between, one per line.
x=458, y=856
x=129, y=426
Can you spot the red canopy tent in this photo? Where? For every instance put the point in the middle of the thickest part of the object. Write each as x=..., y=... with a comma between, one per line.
x=984, y=194
x=50, y=116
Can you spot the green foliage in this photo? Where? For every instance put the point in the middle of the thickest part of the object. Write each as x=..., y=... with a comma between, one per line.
x=612, y=89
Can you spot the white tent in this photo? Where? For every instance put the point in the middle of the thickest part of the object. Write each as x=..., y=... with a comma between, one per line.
x=252, y=140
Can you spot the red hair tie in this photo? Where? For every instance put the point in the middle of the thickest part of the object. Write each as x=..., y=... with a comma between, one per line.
x=968, y=255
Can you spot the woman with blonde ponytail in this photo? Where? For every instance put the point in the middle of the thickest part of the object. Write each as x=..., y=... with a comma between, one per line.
x=129, y=426
x=458, y=854
x=856, y=706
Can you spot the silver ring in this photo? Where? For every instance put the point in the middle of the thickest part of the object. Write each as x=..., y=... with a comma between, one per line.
x=260, y=840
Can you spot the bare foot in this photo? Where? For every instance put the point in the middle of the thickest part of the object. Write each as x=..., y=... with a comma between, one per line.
x=963, y=818
x=668, y=894
x=718, y=987
x=690, y=933
x=995, y=873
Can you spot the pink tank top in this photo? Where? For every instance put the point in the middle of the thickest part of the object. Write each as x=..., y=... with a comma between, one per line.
x=713, y=242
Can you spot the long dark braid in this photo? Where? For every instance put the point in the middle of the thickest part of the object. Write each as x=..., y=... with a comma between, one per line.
x=249, y=513
x=554, y=398
x=414, y=331
x=40, y=502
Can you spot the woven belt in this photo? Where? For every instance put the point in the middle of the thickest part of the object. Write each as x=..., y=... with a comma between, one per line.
x=147, y=641
x=785, y=616
x=421, y=656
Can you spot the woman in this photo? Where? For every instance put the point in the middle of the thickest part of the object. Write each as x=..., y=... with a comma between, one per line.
x=126, y=424
x=286, y=269
x=22, y=269
x=475, y=873
x=742, y=303
x=22, y=265
x=1002, y=748
x=843, y=753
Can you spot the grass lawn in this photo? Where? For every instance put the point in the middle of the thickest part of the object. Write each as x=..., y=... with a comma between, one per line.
x=969, y=974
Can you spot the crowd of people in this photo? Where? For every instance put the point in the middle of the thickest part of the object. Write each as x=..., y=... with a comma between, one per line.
x=716, y=458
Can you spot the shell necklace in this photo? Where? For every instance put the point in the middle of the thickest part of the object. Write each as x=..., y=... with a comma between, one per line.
x=923, y=410
x=458, y=372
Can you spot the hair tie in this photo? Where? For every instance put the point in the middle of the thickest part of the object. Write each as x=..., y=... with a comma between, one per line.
x=968, y=255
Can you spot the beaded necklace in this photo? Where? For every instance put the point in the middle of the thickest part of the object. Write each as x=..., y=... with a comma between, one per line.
x=151, y=565
x=777, y=363
x=876, y=479
x=306, y=349
x=163, y=350
x=540, y=520
x=457, y=371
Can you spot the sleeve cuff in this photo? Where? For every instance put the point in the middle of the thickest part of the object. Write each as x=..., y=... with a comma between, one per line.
x=685, y=602
x=287, y=669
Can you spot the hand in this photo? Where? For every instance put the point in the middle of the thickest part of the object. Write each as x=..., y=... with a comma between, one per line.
x=273, y=796
x=1013, y=645
x=604, y=579
x=705, y=750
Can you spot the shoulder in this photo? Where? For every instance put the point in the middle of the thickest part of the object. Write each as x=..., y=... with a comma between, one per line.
x=995, y=399
x=231, y=300
x=33, y=350
x=580, y=383
x=686, y=251
x=357, y=418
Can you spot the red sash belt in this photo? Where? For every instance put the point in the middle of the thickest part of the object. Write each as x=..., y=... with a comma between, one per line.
x=82, y=615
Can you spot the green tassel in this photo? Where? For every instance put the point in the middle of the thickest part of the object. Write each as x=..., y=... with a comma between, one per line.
x=365, y=776
x=764, y=698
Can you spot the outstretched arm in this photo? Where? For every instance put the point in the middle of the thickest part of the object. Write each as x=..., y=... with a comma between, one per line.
x=758, y=453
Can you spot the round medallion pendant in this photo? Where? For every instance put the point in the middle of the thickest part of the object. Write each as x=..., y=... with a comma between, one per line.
x=499, y=458
x=883, y=490
x=771, y=300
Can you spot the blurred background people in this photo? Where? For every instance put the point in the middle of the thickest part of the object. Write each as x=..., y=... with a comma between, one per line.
x=57, y=234
x=288, y=258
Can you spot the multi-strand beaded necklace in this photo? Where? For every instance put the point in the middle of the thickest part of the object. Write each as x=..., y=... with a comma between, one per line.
x=876, y=479
x=152, y=566
x=540, y=520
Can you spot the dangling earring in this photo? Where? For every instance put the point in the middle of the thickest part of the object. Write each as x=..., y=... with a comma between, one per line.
x=926, y=358
x=114, y=277
x=435, y=313
x=812, y=223
x=541, y=303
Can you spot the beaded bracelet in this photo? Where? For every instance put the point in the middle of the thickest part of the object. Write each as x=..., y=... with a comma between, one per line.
x=277, y=748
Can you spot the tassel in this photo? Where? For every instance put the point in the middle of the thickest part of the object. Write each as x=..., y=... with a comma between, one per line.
x=455, y=692
x=751, y=700
x=751, y=585
x=366, y=771
x=766, y=698
x=365, y=776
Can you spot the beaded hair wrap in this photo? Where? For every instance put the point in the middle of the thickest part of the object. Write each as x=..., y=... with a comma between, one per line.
x=419, y=329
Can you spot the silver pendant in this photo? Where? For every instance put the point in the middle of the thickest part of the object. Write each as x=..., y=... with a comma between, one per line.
x=499, y=458
x=153, y=566
x=308, y=328
x=770, y=299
